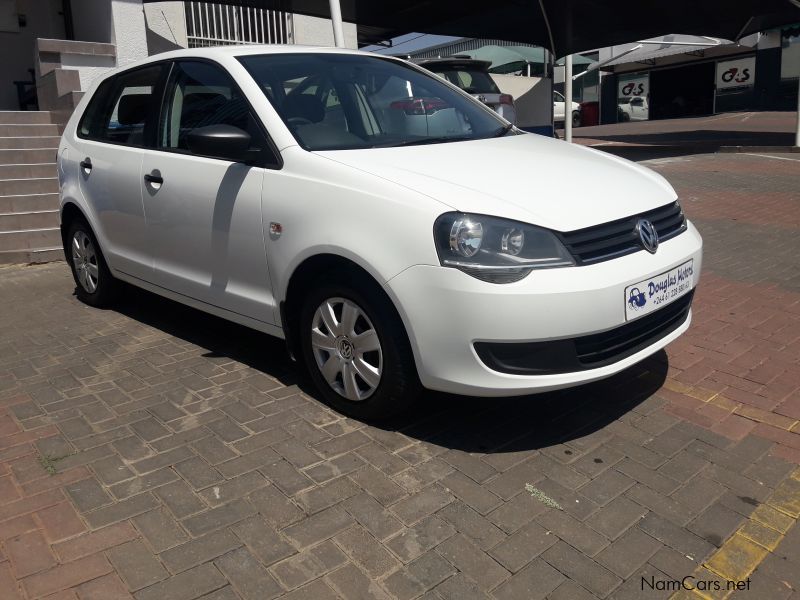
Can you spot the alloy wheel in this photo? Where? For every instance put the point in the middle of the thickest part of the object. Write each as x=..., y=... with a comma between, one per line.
x=346, y=348
x=84, y=258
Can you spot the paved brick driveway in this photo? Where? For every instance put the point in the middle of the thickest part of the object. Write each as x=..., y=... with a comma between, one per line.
x=155, y=452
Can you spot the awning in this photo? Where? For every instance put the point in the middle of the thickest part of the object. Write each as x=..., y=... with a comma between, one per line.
x=670, y=45
x=507, y=58
x=563, y=26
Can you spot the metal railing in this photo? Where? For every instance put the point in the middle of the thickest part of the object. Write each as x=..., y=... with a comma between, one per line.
x=211, y=24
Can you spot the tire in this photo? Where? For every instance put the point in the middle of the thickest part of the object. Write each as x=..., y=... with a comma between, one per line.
x=375, y=346
x=94, y=283
x=576, y=118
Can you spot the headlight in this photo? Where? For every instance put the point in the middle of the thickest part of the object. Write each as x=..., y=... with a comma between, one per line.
x=496, y=250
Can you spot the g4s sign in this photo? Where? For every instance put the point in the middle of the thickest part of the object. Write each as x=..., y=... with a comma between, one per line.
x=633, y=89
x=736, y=73
x=733, y=74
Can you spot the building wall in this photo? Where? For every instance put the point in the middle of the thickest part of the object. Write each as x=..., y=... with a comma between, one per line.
x=313, y=31
x=166, y=26
x=92, y=21
x=17, y=47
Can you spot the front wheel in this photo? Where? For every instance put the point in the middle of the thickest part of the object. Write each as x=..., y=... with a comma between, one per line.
x=94, y=283
x=576, y=118
x=356, y=350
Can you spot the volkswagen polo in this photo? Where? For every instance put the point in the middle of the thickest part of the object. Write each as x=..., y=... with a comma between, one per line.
x=396, y=232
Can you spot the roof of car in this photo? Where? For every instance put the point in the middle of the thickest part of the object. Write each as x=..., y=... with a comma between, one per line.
x=244, y=50
x=454, y=61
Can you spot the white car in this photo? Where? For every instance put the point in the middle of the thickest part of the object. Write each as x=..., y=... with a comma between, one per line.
x=560, y=109
x=381, y=220
x=634, y=109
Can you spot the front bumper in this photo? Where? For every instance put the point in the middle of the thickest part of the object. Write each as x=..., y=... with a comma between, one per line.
x=446, y=312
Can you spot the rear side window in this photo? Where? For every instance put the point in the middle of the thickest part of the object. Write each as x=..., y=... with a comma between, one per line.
x=471, y=80
x=123, y=108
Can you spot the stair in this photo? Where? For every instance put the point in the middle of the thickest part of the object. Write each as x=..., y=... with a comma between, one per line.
x=29, y=221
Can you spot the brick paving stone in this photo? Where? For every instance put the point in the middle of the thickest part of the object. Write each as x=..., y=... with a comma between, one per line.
x=616, y=517
x=460, y=587
x=29, y=553
x=222, y=516
x=95, y=541
x=628, y=553
x=471, y=561
x=120, y=511
x=309, y=564
x=578, y=567
x=150, y=481
x=248, y=577
x=535, y=581
x=185, y=586
x=716, y=524
x=326, y=495
x=573, y=531
x=262, y=540
x=88, y=494
x=137, y=565
x=276, y=508
x=66, y=576
x=180, y=500
x=378, y=485
x=421, y=575
x=200, y=550
x=523, y=546
x=366, y=552
x=416, y=540
x=372, y=516
x=107, y=587
x=478, y=529
x=421, y=504
x=60, y=522
x=160, y=530
x=675, y=537
x=349, y=582
x=319, y=590
x=318, y=527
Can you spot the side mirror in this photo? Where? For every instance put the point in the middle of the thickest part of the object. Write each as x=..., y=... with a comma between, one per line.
x=225, y=142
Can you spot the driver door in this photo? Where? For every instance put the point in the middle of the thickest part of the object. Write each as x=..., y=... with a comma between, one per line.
x=204, y=214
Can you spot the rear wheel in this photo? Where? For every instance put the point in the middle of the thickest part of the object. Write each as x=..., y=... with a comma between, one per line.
x=576, y=118
x=356, y=350
x=95, y=284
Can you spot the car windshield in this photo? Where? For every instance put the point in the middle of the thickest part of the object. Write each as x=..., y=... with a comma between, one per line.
x=334, y=101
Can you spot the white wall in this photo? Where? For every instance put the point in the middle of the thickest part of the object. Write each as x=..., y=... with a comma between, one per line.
x=166, y=26
x=128, y=31
x=17, y=48
x=313, y=31
x=533, y=98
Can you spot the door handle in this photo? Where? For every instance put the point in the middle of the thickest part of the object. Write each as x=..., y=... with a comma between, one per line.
x=86, y=164
x=154, y=177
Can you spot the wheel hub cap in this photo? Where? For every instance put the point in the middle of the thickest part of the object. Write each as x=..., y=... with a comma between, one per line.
x=84, y=259
x=346, y=348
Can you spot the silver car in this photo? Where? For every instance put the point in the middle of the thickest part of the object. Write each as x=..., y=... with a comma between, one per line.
x=473, y=77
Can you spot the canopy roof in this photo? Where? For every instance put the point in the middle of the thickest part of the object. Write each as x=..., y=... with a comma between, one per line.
x=505, y=58
x=563, y=26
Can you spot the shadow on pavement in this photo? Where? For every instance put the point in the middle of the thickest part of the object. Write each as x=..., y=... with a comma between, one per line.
x=486, y=425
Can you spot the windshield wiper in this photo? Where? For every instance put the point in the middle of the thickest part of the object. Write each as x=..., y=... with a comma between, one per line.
x=423, y=141
x=503, y=130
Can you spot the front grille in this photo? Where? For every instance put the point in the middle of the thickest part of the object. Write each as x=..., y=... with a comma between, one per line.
x=615, y=344
x=588, y=351
x=617, y=238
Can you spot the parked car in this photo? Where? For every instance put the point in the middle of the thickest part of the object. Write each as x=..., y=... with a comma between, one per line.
x=473, y=77
x=560, y=109
x=292, y=190
x=634, y=109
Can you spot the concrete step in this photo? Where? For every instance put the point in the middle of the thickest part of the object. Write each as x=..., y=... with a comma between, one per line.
x=27, y=171
x=23, y=142
x=28, y=157
x=26, y=257
x=31, y=220
x=25, y=203
x=28, y=130
x=18, y=187
x=24, y=117
x=32, y=239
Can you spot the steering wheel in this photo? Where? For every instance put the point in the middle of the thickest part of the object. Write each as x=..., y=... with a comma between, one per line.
x=295, y=121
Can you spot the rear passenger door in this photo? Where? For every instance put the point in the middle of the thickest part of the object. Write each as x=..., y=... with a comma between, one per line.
x=117, y=125
x=204, y=214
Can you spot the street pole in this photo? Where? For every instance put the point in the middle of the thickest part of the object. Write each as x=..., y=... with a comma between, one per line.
x=336, y=20
x=568, y=98
x=797, y=133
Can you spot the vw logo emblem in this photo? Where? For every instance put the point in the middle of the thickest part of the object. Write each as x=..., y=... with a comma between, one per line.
x=647, y=235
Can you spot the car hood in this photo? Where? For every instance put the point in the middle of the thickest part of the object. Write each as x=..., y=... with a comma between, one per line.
x=527, y=178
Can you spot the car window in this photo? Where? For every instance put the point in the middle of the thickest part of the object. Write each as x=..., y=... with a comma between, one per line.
x=122, y=107
x=557, y=97
x=332, y=101
x=201, y=94
x=472, y=81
